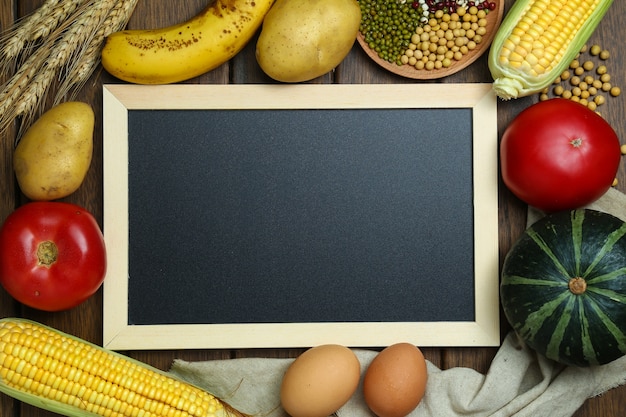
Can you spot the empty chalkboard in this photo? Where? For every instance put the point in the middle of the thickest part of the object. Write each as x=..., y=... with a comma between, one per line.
x=315, y=214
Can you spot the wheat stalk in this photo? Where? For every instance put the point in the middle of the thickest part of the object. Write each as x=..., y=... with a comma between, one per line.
x=69, y=52
x=83, y=66
x=34, y=95
x=17, y=39
x=78, y=34
x=15, y=87
x=13, y=100
x=32, y=65
x=51, y=21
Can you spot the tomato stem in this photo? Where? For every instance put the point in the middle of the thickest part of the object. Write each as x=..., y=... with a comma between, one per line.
x=577, y=285
x=577, y=143
x=47, y=253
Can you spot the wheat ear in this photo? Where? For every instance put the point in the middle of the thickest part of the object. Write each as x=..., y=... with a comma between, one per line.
x=16, y=85
x=69, y=52
x=81, y=68
x=18, y=38
x=12, y=98
x=52, y=21
x=30, y=106
x=15, y=38
x=67, y=49
x=26, y=94
x=13, y=89
x=79, y=34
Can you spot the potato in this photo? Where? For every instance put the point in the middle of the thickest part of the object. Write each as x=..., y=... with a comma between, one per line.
x=303, y=39
x=51, y=160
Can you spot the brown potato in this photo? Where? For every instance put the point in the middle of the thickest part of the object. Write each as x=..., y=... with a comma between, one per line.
x=51, y=160
x=302, y=40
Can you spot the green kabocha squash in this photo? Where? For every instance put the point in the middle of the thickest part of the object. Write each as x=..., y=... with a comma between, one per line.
x=563, y=287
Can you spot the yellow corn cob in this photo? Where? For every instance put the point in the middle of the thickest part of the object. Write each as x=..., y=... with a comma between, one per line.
x=537, y=40
x=60, y=373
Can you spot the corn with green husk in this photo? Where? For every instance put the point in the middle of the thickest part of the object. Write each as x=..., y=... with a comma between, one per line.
x=52, y=370
x=537, y=40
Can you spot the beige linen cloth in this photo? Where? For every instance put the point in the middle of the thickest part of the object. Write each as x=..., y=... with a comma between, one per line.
x=518, y=383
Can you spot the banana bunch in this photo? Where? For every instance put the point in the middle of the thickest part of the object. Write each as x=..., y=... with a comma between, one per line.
x=185, y=50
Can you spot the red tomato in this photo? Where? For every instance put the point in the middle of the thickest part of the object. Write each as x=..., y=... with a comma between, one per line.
x=559, y=155
x=52, y=255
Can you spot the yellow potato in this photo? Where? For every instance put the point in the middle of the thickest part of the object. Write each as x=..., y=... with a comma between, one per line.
x=303, y=39
x=51, y=160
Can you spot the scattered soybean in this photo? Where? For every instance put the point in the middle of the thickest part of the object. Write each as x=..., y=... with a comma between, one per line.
x=583, y=81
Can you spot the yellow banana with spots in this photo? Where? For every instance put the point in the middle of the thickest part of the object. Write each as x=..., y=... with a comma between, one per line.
x=185, y=50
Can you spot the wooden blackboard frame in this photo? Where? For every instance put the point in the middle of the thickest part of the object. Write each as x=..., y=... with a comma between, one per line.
x=119, y=100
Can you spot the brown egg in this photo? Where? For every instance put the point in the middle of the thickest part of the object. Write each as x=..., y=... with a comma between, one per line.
x=395, y=382
x=320, y=381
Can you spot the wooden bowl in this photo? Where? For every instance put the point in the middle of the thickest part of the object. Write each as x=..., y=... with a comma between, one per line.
x=494, y=18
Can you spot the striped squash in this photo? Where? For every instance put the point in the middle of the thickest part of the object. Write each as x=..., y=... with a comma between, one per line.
x=563, y=287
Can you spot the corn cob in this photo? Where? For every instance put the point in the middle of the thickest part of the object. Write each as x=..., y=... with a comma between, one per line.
x=63, y=374
x=537, y=40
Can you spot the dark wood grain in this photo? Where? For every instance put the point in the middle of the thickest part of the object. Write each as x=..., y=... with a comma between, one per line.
x=86, y=320
x=7, y=196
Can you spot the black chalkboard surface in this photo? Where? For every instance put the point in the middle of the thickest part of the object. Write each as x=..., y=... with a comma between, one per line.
x=299, y=214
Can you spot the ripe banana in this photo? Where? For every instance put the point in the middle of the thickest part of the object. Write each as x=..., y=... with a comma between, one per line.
x=185, y=50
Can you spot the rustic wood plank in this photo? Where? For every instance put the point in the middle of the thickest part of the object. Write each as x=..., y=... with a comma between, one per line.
x=86, y=320
x=7, y=192
x=7, y=184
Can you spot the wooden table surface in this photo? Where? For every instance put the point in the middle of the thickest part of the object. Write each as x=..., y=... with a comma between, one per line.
x=85, y=321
